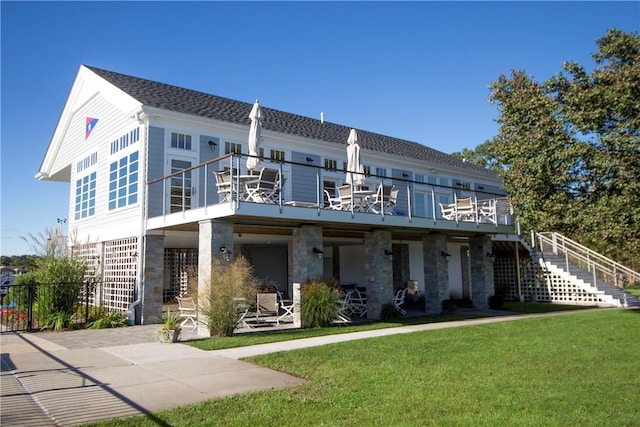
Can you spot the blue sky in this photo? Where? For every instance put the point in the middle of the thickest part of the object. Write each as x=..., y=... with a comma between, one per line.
x=414, y=70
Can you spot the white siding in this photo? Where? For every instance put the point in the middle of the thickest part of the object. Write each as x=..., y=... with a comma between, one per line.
x=112, y=123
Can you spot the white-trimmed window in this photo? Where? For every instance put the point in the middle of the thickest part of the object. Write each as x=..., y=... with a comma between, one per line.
x=232, y=147
x=85, y=201
x=123, y=181
x=276, y=155
x=419, y=178
x=381, y=171
x=331, y=164
x=181, y=141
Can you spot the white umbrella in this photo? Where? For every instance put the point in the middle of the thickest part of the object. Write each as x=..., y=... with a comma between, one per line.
x=355, y=171
x=254, y=135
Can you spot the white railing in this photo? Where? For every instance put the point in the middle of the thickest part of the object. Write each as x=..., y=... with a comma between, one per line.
x=601, y=267
x=180, y=193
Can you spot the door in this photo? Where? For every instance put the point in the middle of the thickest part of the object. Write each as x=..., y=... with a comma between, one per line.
x=182, y=187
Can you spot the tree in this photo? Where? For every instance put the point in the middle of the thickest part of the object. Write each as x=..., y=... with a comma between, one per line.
x=568, y=149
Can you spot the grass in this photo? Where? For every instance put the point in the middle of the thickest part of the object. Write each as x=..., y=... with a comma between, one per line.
x=635, y=291
x=572, y=370
x=255, y=338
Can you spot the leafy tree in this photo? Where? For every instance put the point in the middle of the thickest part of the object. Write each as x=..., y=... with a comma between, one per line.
x=482, y=155
x=568, y=149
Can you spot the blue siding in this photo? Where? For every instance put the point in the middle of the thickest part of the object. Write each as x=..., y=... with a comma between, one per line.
x=155, y=169
x=303, y=179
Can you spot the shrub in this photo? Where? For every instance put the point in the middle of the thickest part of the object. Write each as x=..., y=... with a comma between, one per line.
x=389, y=312
x=449, y=305
x=229, y=282
x=114, y=319
x=496, y=302
x=57, y=303
x=319, y=302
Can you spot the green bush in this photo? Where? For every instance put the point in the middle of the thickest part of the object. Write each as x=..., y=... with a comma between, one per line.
x=389, y=312
x=449, y=305
x=114, y=319
x=320, y=299
x=57, y=304
x=496, y=302
x=229, y=283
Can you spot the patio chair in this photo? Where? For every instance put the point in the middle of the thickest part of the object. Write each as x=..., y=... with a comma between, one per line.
x=465, y=209
x=358, y=303
x=343, y=311
x=188, y=310
x=380, y=201
x=265, y=188
x=345, y=196
x=267, y=307
x=332, y=202
x=285, y=314
x=223, y=183
x=448, y=210
x=398, y=300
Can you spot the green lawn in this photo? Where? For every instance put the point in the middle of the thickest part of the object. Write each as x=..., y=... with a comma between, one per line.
x=579, y=369
x=635, y=291
x=254, y=338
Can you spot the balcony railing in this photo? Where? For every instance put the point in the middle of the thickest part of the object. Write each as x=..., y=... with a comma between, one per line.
x=302, y=184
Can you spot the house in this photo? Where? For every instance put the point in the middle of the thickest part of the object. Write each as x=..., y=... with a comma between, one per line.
x=146, y=211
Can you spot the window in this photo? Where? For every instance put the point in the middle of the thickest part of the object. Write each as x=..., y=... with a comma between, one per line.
x=276, y=155
x=123, y=141
x=87, y=162
x=330, y=186
x=85, y=204
x=444, y=181
x=181, y=141
x=232, y=147
x=431, y=180
x=123, y=182
x=423, y=204
x=419, y=178
x=381, y=171
x=331, y=164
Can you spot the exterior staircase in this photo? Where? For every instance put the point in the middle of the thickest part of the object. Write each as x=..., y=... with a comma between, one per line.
x=589, y=271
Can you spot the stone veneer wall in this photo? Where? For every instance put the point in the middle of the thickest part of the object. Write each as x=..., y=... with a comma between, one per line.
x=153, y=279
x=378, y=271
x=436, y=272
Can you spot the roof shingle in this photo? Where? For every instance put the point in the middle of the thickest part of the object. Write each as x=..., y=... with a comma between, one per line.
x=173, y=98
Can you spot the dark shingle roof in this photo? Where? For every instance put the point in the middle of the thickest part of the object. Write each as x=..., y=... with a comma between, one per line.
x=173, y=98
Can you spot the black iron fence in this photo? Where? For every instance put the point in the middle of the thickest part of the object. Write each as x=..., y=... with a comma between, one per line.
x=29, y=307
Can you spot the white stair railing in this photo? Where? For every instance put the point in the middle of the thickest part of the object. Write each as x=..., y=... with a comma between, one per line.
x=602, y=268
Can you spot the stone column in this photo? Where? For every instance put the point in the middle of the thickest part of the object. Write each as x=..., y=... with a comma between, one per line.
x=305, y=263
x=482, y=286
x=378, y=271
x=436, y=272
x=212, y=235
x=152, y=279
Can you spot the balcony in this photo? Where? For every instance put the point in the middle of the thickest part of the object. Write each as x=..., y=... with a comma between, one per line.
x=296, y=193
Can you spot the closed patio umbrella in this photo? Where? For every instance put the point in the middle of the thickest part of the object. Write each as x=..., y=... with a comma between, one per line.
x=254, y=135
x=355, y=170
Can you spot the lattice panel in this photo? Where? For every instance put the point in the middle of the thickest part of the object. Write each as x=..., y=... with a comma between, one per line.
x=119, y=273
x=90, y=253
x=180, y=267
x=538, y=284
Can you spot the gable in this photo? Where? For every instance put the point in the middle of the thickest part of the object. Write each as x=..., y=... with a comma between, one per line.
x=88, y=117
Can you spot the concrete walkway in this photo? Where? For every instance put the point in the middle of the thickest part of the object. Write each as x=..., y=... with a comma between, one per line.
x=69, y=378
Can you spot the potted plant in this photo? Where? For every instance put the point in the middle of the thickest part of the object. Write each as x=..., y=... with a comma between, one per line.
x=170, y=329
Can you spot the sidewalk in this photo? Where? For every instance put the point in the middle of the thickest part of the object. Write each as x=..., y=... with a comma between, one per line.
x=69, y=378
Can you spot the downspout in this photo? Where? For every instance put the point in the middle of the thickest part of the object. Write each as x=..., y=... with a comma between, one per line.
x=131, y=312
